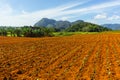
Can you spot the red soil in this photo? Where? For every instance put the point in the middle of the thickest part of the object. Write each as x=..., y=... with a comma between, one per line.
x=78, y=57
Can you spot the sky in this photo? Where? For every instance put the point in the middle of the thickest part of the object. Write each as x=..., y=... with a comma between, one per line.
x=28, y=12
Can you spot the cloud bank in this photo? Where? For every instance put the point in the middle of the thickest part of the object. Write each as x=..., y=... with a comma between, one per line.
x=63, y=12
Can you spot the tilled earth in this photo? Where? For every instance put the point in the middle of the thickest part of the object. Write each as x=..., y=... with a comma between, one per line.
x=77, y=57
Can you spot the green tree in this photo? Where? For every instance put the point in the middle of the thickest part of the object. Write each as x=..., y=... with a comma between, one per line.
x=18, y=32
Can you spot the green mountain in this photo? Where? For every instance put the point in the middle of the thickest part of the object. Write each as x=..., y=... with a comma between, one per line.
x=45, y=22
x=86, y=27
x=78, y=25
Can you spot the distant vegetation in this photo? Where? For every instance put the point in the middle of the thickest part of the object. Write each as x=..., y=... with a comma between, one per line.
x=86, y=27
x=26, y=31
x=64, y=33
x=46, y=27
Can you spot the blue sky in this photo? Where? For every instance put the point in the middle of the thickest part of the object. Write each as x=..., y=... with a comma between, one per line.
x=28, y=12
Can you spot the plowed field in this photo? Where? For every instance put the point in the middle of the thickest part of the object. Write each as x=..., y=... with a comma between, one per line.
x=77, y=57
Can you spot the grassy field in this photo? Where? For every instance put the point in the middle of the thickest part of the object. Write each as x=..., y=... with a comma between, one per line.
x=62, y=33
x=59, y=34
x=72, y=33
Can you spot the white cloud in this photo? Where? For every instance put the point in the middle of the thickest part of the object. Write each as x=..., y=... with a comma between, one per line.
x=24, y=12
x=106, y=17
x=26, y=18
x=64, y=18
x=114, y=17
x=101, y=16
x=94, y=8
x=5, y=9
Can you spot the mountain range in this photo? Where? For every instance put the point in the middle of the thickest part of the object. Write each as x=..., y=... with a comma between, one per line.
x=45, y=22
x=78, y=25
x=112, y=26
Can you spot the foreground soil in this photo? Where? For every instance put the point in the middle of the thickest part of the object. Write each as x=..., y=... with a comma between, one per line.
x=77, y=57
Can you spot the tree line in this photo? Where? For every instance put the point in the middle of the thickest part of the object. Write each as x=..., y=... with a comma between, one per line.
x=30, y=31
x=26, y=31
